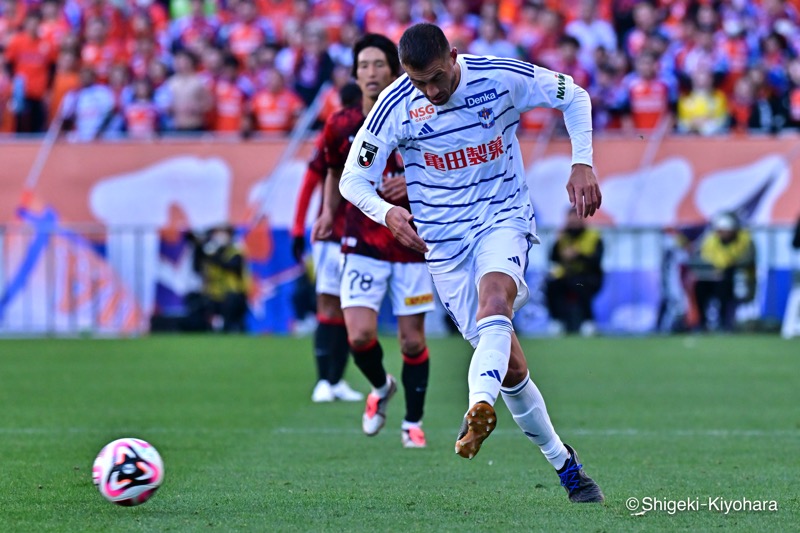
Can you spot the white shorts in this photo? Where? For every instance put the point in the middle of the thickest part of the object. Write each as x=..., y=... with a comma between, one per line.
x=502, y=250
x=365, y=282
x=328, y=265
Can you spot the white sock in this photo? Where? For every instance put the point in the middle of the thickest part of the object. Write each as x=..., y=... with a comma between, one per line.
x=490, y=361
x=527, y=406
x=406, y=425
x=384, y=390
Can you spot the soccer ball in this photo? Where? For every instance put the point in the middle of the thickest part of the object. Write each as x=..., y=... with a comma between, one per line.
x=128, y=471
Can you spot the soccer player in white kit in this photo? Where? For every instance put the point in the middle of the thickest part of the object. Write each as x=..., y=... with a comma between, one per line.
x=454, y=119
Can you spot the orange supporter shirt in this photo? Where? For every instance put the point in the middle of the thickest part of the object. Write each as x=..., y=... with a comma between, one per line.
x=158, y=15
x=331, y=103
x=276, y=112
x=458, y=33
x=113, y=17
x=737, y=53
x=6, y=116
x=244, y=40
x=63, y=83
x=141, y=120
x=508, y=11
x=571, y=10
x=333, y=14
x=377, y=18
x=101, y=57
x=396, y=30
x=740, y=115
x=54, y=31
x=275, y=9
x=230, y=101
x=32, y=59
x=794, y=104
x=649, y=101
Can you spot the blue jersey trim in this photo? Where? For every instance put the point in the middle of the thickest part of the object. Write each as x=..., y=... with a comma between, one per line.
x=510, y=125
x=476, y=81
x=386, y=101
x=446, y=188
x=509, y=69
x=506, y=210
x=390, y=102
x=444, y=222
x=439, y=241
x=388, y=112
x=514, y=63
x=470, y=204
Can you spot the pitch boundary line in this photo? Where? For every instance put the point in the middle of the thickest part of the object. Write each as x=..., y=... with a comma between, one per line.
x=609, y=432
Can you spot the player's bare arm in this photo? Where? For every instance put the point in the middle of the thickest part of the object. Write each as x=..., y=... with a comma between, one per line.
x=331, y=198
x=584, y=192
x=398, y=220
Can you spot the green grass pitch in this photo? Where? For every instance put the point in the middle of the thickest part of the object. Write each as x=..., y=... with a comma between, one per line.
x=679, y=418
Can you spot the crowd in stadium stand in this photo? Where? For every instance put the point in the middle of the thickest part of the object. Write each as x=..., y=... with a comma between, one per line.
x=238, y=67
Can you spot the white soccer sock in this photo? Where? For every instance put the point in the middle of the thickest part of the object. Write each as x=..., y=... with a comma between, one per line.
x=406, y=425
x=384, y=390
x=527, y=406
x=490, y=361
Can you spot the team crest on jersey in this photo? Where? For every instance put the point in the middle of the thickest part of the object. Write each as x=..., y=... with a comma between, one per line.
x=487, y=117
x=366, y=155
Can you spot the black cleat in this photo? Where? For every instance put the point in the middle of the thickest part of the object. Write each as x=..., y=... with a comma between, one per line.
x=580, y=487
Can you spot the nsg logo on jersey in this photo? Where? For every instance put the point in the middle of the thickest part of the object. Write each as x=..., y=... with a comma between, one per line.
x=423, y=113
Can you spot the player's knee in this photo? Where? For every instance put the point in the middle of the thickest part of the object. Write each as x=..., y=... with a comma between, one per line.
x=495, y=304
x=329, y=307
x=412, y=345
x=361, y=338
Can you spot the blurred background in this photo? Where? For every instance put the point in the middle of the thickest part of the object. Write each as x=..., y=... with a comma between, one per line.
x=151, y=154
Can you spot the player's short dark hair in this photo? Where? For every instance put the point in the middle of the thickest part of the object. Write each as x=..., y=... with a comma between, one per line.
x=350, y=95
x=382, y=43
x=421, y=44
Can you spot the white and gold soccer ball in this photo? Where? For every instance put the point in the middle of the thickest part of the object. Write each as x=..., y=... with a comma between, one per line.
x=128, y=471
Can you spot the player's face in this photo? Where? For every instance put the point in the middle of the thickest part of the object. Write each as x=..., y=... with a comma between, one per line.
x=438, y=80
x=373, y=73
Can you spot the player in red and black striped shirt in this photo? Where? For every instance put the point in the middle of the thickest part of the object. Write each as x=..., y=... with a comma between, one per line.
x=375, y=263
x=330, y=338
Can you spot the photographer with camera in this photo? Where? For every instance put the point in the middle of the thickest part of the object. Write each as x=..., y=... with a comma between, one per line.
x=222, y=267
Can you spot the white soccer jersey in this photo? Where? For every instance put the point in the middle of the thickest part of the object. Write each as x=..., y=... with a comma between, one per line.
x=463, y=164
